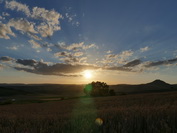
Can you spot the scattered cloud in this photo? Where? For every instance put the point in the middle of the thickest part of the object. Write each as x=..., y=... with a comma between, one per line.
x=6, y=58
x=109, y=51
x=77, y=54
x=43, y=68
x=144, y=49
x=5, y=31
x=29, y=62
x=13, y=5
x=13, y=47
x=163, y=62
x=5, y=14
x=70, y=58
x=22, y=25
x=76, y=46
x=133, y=63
x=48, y=20
x=67, y=69
x=34, y=44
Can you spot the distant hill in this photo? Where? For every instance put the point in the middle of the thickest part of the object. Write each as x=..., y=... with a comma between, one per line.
x=155, y=86
x=77, y=90
x=4, y=91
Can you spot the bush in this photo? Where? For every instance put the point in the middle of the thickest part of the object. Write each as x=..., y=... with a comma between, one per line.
x=98, y=89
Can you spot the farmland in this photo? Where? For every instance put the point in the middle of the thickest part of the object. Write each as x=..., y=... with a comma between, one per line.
x=135, y=113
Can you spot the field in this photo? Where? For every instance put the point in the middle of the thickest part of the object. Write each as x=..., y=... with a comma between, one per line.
x=132, y=113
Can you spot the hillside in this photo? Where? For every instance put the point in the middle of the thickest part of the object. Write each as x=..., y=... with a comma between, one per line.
x=155, y=86
x=77, y=90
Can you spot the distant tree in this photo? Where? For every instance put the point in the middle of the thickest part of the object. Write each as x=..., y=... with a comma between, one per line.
x=112, y=92
x=98, y=89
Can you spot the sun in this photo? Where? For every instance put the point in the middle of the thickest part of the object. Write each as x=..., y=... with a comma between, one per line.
x=87, y=74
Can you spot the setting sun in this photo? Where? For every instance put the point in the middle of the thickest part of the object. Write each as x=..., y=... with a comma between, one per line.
x=87, y=74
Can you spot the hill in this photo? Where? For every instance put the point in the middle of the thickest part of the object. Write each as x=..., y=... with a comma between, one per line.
x=65, y=90
x=155, y=86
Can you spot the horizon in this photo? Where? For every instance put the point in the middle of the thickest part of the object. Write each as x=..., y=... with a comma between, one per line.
x=81, y=84
x=77, y=42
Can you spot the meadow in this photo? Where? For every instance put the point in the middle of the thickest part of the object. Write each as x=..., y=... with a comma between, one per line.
x=132, y=113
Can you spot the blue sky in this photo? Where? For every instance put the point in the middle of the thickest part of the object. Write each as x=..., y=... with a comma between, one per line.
x=119, y=41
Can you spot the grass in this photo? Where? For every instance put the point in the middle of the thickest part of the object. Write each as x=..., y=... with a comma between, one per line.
x=138, y=113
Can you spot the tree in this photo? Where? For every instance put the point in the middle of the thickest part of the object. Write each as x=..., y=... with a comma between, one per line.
x=98, y=89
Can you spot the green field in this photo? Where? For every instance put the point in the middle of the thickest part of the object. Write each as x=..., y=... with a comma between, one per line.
x=133, y=113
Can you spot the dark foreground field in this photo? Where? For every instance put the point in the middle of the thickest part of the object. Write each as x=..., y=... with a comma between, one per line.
x=133, y=113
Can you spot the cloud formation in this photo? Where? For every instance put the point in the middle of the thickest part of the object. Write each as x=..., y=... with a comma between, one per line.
x=163, y=62
x=66, y=69
x=48, y=21
x=34, y=44
x=76, y=46
x=13, y=5
x=6, y=58
x=60, y=69
x=5, y=31
x=22, y=25
x=144, y=49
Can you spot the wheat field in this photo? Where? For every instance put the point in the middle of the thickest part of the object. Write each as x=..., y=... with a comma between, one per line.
x=138, y=113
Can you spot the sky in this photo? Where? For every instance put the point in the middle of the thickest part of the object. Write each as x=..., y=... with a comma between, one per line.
x=64, y=41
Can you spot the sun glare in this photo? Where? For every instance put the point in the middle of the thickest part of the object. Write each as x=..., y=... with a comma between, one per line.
x=87, y=74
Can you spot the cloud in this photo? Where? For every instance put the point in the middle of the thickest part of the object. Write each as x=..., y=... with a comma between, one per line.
x=5, y=14
x=73, y=46
x=49, y=20
x=34, y=44
x=76, y=46
x=133, y=63
x=25, y=62
x=52, y=17
x=163, y=62
x=13, y=5
x=109, y=51
x=6, y=58
x=59, y=69
x=47, y=30
x=70, y=58
x=22, y=25
x=144, y=49
x=1, y=66
x=5, y=31
x=13, y=47
x=77, y=54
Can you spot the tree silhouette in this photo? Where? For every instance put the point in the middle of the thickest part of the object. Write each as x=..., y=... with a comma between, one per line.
x=98, y=89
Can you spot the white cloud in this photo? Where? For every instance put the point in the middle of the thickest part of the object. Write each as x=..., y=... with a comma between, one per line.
x=47, y=30
x=50, y=21
x=34, y=44
x=13, y=48
x=109, y=51
x=76, y=46
x=49, y=18
x=49, y=49
x=34, y=36
x=5, y=31
x=144, y=49
x=5, y=14
x=89, y=46
x=77, y=54
x=52, y=17
x=22, y=25
x=13, y=5
x=73, y=46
